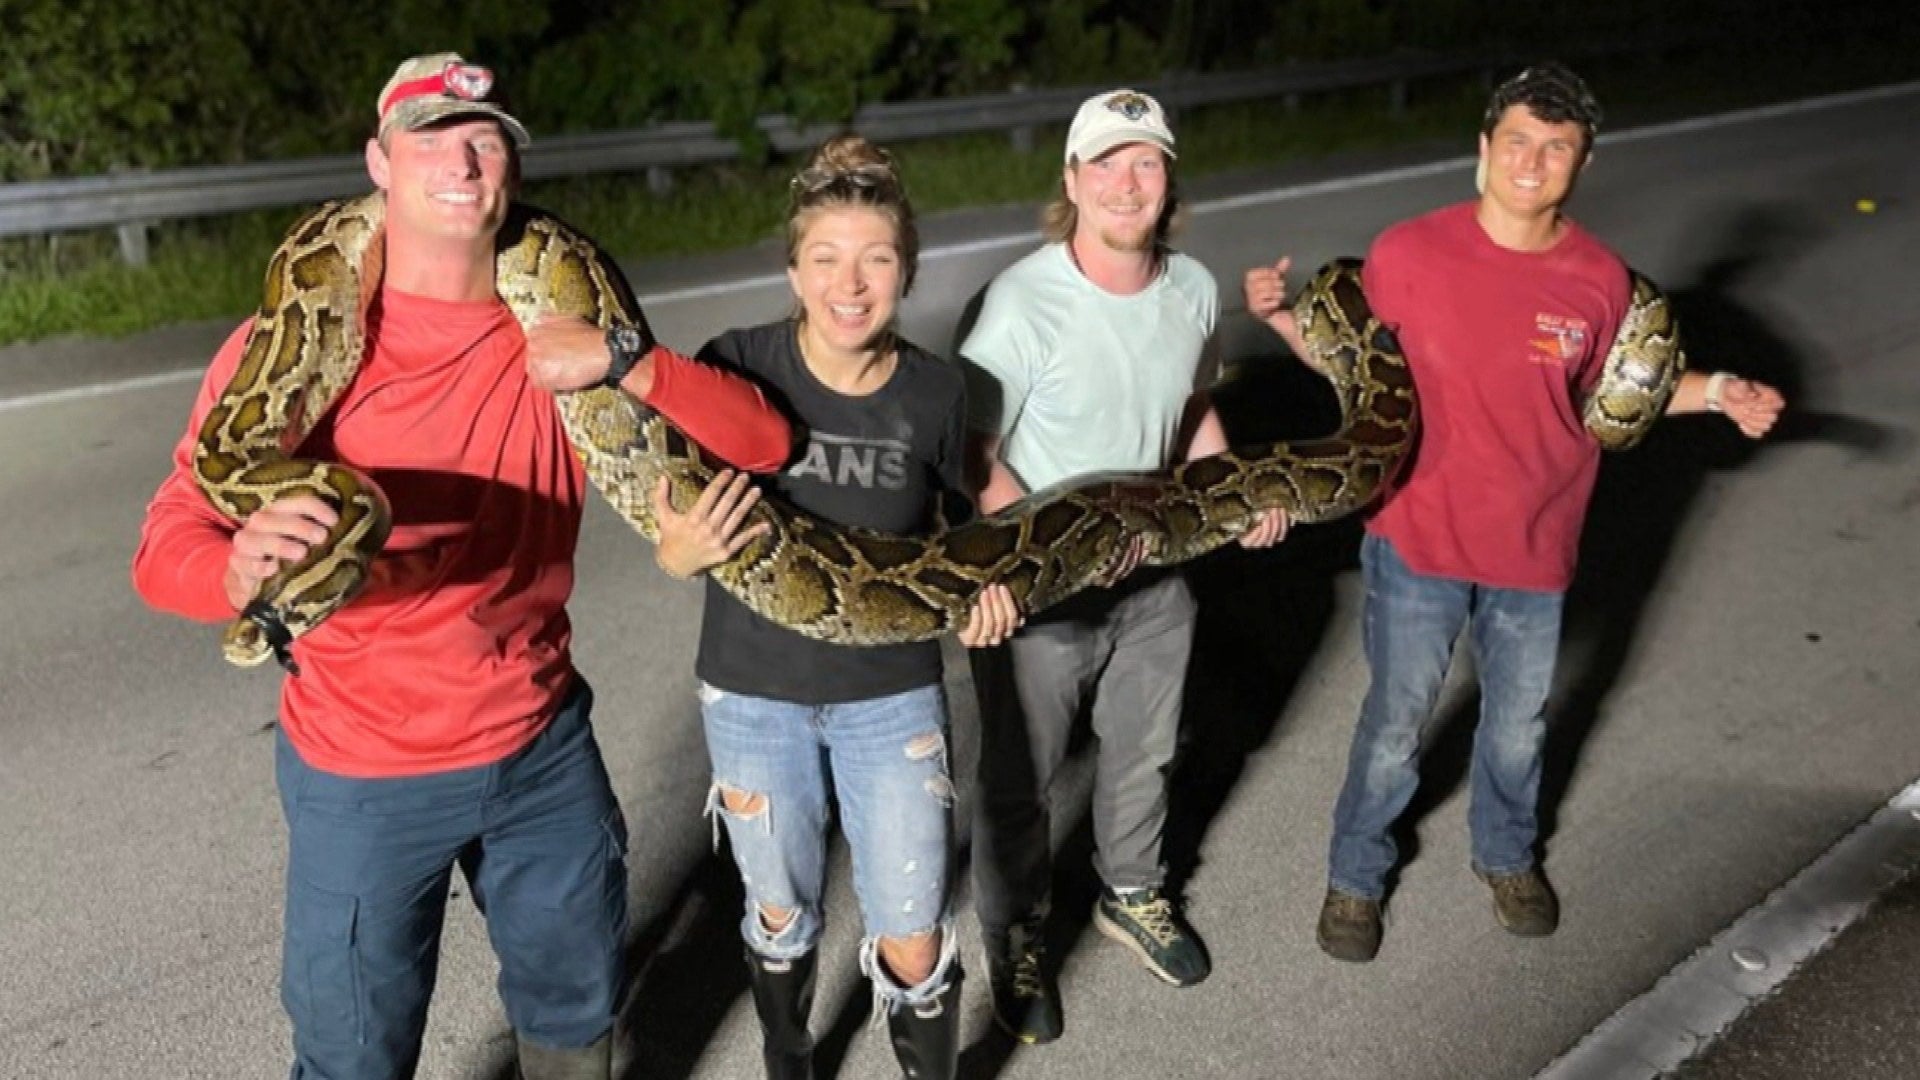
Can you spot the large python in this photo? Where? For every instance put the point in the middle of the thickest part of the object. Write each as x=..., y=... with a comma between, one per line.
x=1641, y=372
x=840, y=584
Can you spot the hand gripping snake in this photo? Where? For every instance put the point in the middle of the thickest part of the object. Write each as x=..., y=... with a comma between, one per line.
x=836, y=583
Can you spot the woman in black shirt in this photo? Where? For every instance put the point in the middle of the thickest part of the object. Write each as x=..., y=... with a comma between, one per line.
x=790, y=720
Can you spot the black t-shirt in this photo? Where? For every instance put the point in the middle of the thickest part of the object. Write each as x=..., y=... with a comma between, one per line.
x=882, y=460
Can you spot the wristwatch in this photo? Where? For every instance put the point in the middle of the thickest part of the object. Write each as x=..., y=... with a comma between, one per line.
x=1716, y=386
x=626, y=344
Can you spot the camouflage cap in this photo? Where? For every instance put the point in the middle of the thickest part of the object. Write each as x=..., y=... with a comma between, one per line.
x=428, y=89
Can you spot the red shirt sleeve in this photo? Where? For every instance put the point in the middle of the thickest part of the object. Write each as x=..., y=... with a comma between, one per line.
x=184, y=541
x=724, y=413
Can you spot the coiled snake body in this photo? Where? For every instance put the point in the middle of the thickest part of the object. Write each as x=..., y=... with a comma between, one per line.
x=841, y=584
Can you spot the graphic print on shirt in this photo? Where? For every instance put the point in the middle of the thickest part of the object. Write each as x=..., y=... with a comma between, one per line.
x=852, y=461
x=1558, y=340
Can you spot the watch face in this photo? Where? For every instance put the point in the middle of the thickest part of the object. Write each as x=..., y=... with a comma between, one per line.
x=624, y=338
x=626, y=344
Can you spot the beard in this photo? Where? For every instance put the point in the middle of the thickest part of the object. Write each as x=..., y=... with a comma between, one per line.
x=1130, y=240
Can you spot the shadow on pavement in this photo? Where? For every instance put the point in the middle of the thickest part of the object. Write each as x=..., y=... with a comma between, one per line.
x=1263, y=615
x=687, y=971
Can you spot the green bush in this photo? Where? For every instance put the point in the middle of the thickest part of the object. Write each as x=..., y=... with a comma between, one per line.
x=89, y=85
x=328, y=59
x=615, y=71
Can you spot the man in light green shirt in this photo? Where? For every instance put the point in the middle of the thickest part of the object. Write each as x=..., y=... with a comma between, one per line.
x=1090, y=355
x=1073, y=379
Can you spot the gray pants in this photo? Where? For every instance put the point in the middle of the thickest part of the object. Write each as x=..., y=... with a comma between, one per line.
x=1127, y=649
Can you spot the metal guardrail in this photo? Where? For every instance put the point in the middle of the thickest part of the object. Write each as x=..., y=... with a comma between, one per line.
x=133, y=201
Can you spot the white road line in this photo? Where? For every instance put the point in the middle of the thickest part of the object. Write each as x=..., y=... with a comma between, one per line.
x=717, y=288
x=1640, y=134
x=763, y=281
x=1214, y=206
x=1695, y=1002
x=75, y=393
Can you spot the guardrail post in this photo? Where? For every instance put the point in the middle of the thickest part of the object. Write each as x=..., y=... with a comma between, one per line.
x=132, y=234
x=1397, y=97
x=133, y=242
x=1021, y=137
x=1291, y=103
x=660, y=180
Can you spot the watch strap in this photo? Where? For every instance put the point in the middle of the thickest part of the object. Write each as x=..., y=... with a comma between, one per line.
x=625, y=346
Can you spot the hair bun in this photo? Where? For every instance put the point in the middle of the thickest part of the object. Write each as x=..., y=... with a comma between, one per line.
x=849, y=157
x=849, y=152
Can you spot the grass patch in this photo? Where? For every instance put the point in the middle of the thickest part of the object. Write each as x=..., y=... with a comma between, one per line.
x=208, y=268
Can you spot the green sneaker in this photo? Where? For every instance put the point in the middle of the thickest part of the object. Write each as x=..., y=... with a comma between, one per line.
x=1524, y=902
x=1146, y=922
x=1026, y=1001
x=1349, y=927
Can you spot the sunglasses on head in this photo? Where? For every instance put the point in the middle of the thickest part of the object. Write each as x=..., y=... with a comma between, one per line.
x=817, y=180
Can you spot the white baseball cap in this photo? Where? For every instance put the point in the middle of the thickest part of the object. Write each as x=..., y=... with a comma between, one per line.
x=1116, y=118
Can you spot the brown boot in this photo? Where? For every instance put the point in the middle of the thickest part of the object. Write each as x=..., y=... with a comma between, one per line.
x=1349, y=927
x=1524, y=902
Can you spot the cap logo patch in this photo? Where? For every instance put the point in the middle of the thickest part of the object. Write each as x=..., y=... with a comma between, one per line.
x=468, y=82
x=1131, y=106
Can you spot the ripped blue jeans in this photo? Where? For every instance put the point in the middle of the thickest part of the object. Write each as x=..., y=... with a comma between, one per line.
x=885, y=761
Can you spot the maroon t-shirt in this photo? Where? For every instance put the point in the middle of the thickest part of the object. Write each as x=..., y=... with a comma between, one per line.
x=1503, y=346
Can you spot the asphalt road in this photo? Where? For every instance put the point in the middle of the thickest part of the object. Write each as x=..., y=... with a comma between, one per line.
x=1736, y=685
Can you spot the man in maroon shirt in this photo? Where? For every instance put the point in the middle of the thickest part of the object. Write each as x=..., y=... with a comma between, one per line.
x=1506, y=309
x=437, y=719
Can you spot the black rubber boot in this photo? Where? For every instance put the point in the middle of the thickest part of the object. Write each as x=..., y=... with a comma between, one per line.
x=926, y=1037
x=557, y=1063
x=783, y=996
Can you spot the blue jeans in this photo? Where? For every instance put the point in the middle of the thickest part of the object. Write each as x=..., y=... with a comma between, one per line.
x=542, y=843
x=1409, y=627
x=885, y=761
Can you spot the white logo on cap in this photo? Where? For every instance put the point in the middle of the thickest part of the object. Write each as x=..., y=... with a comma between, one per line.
x=469, y=82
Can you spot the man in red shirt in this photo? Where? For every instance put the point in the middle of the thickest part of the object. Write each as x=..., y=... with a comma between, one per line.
x=1506, y=309
x=437, y=719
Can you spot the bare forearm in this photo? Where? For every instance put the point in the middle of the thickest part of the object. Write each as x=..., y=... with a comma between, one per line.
x=993, y=484
x=1208, y=436
x=1753, y=406
x=1002, y=490
x=640, y=381
x=1690, y=396
x=1289, y=331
